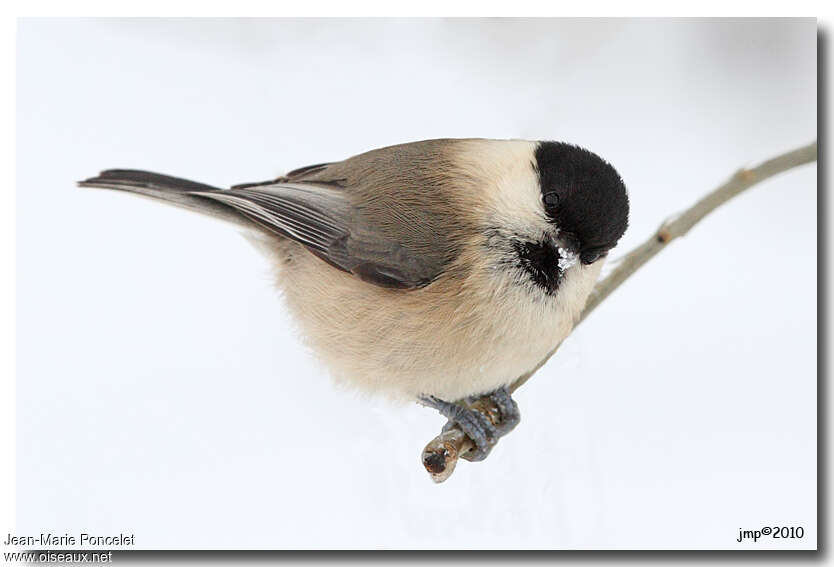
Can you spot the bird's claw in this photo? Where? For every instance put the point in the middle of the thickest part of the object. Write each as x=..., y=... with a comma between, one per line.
x=477, y=418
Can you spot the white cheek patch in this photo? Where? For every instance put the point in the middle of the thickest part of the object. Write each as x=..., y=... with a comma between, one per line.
x=567, y=258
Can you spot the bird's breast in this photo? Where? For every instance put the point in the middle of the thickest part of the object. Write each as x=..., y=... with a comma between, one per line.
x=454, y=338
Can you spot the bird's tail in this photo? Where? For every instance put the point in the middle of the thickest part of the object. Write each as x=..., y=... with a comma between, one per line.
x=173, y=190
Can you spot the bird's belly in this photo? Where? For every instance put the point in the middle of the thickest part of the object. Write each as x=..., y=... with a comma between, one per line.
x=420, y=354
x=449, y=343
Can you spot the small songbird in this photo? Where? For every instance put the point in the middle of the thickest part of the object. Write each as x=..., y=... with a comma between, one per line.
x=434, y=271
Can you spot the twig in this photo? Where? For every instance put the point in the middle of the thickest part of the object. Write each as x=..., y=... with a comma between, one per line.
x=441, y=454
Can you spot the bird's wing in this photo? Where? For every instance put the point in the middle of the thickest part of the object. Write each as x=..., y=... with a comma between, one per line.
x=393, y=216
x=326, y=222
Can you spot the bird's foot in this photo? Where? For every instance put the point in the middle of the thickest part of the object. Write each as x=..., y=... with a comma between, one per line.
x=484, y=419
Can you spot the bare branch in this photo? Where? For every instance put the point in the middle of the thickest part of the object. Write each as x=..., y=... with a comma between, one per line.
x=441, y=454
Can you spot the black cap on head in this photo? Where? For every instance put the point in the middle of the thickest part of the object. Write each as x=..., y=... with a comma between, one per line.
x=583, y=194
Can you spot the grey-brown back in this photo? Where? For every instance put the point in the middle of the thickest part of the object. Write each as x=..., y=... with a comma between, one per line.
x=392, y=216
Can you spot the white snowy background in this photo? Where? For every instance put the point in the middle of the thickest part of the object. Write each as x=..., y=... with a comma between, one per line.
x=162, y=389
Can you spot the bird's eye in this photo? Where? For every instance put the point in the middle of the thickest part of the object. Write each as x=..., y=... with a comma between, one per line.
x=590, y=256
x=551, y=200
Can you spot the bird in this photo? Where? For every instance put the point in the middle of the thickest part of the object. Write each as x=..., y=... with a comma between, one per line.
x=436, y=271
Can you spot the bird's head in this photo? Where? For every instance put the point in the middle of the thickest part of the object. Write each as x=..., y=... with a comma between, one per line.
x=584, y=198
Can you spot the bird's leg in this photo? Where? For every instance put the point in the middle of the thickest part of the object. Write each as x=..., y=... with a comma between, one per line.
x=484, y=419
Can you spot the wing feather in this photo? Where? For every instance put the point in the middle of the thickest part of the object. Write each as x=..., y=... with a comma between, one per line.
x=325, y=221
